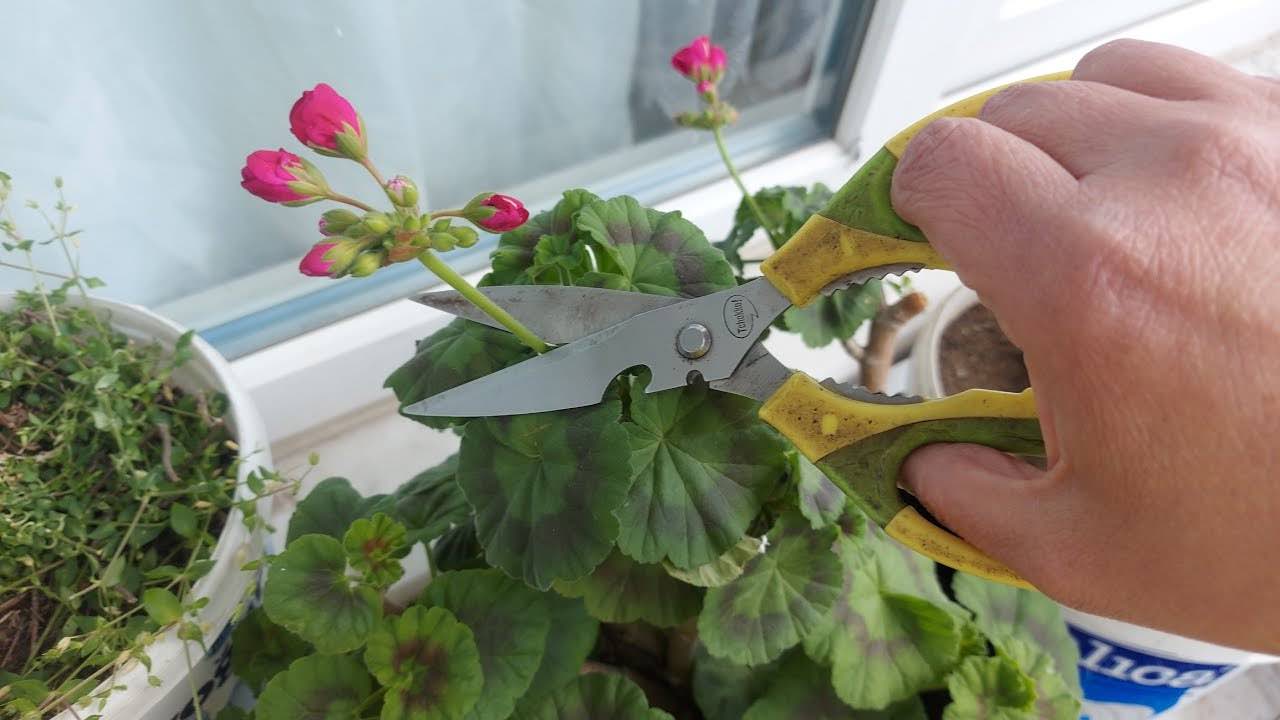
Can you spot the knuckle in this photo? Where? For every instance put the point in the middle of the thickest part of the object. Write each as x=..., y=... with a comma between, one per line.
x=1110, y=56
x=928, y=158
x=1214, y=151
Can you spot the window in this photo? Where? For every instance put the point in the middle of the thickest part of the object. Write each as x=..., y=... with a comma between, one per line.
x=148, y=109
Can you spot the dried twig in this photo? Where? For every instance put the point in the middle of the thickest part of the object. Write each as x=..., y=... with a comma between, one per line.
x=166, y=454
x=877, y=358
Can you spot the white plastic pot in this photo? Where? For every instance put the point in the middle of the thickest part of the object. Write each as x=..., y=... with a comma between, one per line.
x=1127, y=672
x=226, y=585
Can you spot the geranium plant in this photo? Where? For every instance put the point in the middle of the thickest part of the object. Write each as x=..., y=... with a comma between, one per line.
x=654, y=555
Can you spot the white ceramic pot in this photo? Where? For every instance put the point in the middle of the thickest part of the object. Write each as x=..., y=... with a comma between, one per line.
x=226, y=585
x=1127, y=672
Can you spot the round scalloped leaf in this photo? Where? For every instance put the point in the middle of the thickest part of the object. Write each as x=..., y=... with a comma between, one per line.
x=721, y=571
x=1055, y=698
x=316, y=687
x=821, y=502
x=622, y=590
x=309, y=593
x=801, y=690
x=374, y=547
x=892, y=633
x=837, y=316
x=782, y=595
x=429, y=662
x=545, y=487
x=571, y=639
x=431, y=502
x=651, y=251
x=1000, y=610
x=510, y=623
x=330, y=508
x=458, y=549
x=260, y=649
x=990, y=688
x=455, y=354
x=518, y=249
x=724, y=690
x=594, y=697
x=704, y=465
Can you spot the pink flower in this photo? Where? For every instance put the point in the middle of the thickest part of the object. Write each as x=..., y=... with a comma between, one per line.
x=314, y=262
x=701, y=62
x=282, y=177
x=325, y=122
x=498, y=213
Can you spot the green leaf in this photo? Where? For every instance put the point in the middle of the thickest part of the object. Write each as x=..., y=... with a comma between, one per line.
x=782, y=595
x=374, y=547
x=594, y=697
x=458, y=549
x=622, y=590
x=571, y=639
x=837, y=316
x=785, y=209
x=431, y=502
x=801, y=690
x=893, y=632
x=820, y=501
x=330, y=508
x=654, y=252
x=721, y=571
x=183, y=520
x=724, y=690
x=559, y=259
x=457, y=353
x=990, y=688
x=162, y=606
x=429, y=663
x=316, y=687
x=260, y=649
x=1000, y=610
x=545, y=487
x=113, y=572
x=1055, y=698
x=516, y=250
x=704, y=464
x=510, y=623
x=309, y=593
x=231, y=712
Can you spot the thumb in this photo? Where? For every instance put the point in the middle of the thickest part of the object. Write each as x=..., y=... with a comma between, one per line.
x=991, y=499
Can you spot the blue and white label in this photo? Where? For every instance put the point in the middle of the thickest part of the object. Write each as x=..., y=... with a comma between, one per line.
x=1124, y=683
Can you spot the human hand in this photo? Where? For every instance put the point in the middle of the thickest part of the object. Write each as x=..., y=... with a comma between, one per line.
x=1124, y=227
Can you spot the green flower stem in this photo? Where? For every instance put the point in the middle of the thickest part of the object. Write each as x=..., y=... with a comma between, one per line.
x=751, y=201
x=338, y=197
x=377, y=176
x=446, y=213
x=477, y=298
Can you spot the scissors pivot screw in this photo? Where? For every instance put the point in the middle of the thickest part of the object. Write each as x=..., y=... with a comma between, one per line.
x=693, y=341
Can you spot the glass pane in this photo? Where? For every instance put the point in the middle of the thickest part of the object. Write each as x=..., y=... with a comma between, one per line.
x=148, y=110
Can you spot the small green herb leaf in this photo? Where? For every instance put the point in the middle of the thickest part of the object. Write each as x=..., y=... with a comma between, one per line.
x=545, y=487
x=310, y=594
x=782, y=595
x=622, y=590
x=183, y=520
x=654, y=252
x=457, y=353
x=162, y=606
x=316, y=687
x=594, y=697
x=990, y=688
x=510, y=623
x=260, y=649
x=704, y=465
x=429, y=663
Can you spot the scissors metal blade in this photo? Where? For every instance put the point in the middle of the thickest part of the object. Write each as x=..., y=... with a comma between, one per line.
x=555, y=313
x=577, y=374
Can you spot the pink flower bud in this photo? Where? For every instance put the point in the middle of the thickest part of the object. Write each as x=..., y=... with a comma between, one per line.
x=497, y=213
x=282, y=177
x=314, y=262
x=325, y=122
x=701, y=62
